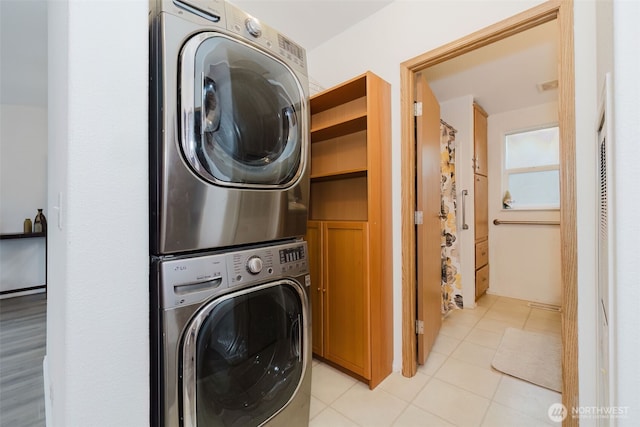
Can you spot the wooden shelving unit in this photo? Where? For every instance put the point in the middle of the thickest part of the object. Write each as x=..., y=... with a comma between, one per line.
x=349, y=232
x=481, y=199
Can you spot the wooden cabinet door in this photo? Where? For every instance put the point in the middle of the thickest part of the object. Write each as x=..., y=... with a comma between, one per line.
x=481, y=207
x=346, y=320
x=480, y=140
x=316, y=290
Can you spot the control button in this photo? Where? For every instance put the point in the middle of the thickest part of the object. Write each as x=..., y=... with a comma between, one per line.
x=253, y=26
x=254, y=265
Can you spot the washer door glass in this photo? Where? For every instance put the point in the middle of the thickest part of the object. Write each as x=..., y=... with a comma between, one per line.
x=243, y=114
x=247, y=356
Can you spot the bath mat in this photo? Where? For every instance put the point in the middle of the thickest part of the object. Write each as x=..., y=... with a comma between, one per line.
x=532, y=356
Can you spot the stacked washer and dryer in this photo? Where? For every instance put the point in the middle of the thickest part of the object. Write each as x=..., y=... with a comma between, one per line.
x=229, y=190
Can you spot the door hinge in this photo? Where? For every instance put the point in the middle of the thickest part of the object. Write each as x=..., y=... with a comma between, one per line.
x=417, y=109
x=417, y=217
x=419, y=327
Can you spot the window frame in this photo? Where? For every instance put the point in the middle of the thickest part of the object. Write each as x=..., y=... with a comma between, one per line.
x=506, y=173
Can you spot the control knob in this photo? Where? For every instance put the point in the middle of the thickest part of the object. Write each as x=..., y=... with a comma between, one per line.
x=253, y=26
x=254, y=265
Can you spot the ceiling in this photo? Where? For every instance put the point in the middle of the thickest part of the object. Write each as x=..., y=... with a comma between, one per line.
x=501, y=76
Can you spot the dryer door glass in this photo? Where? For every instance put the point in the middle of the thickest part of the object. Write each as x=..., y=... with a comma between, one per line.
x=243, y=114
x=248, y=356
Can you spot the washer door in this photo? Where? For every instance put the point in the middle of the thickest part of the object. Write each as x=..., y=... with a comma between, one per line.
x=243, y=356
x=243, y=114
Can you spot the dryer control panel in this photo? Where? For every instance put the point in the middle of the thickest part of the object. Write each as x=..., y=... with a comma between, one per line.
x=240, y=22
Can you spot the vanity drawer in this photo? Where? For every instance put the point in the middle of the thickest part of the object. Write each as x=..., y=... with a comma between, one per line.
x=482, y=281
x=482, y=254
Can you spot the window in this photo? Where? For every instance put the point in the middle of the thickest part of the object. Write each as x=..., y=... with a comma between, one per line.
x=532, y=170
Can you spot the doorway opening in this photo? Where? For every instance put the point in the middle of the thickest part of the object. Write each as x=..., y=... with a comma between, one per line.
x=562, y=13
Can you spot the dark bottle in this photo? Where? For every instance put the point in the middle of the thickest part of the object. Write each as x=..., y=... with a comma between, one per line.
x=40, y=223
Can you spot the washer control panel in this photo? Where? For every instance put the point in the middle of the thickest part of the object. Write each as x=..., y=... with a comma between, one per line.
x=190, y=280
x=254, y=265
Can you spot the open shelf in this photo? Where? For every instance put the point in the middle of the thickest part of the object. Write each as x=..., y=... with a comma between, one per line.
x=339, y=199
x=354, y=124
x=11, y=236
x=340, y=94
x=339, y=155
x=343, y=174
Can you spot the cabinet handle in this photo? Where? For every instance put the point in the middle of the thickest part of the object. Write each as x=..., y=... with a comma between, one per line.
x=484, y=253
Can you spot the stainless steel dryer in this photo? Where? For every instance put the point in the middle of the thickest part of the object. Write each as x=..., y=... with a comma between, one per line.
x=232, y=338
x=229, y=127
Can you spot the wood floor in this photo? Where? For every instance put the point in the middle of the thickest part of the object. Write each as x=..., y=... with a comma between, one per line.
x=22, y=348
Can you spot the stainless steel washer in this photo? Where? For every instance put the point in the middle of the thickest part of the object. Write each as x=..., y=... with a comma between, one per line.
x=231, y=339
x=229, y=129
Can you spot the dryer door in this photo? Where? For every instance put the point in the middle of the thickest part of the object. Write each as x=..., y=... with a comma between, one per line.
x=243, y=114
x=243, y=356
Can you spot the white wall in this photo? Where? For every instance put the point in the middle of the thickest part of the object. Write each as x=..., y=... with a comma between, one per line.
x=23, y=164
x=23, y=183
x=524, y=259
x=399, y=32
x=626, y=204
x=22, y=264
x=97, y=365
x=459, y=114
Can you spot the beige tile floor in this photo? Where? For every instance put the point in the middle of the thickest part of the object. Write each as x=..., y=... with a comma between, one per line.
x=456, y=387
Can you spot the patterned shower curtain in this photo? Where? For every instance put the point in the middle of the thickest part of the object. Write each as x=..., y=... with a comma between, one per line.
x=451, y=283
